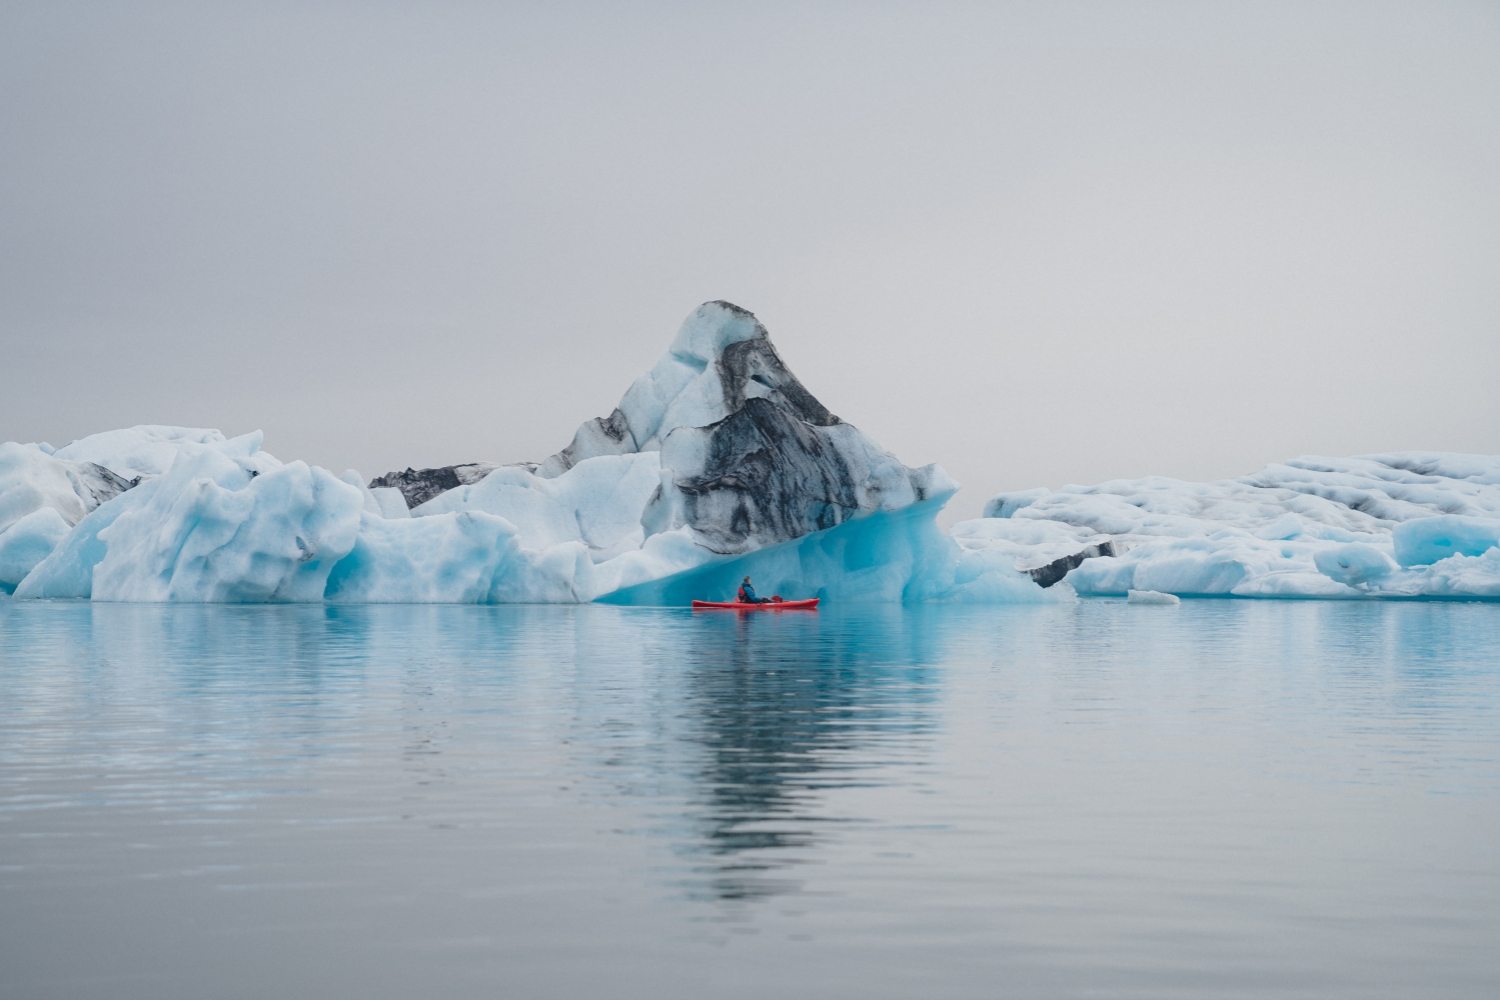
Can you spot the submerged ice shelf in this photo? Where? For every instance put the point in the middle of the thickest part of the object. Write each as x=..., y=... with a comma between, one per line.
x=717, y=463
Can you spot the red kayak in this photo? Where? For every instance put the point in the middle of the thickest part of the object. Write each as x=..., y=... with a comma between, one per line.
x=806, y=605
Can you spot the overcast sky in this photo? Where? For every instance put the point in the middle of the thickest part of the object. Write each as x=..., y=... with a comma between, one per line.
x=1037, y=243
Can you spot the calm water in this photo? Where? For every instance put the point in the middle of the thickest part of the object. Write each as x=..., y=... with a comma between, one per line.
x=1226, y=799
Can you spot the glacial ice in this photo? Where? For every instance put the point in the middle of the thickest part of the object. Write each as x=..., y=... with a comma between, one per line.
x=34, y=484
x=31, y=479
x=27, y=542
x=417, y=486
x=1404, y=524
x=1152, y=597
x=718, y=463
x=597, y=502
x=158, y=517
x=274, y=538
x=887, y=556
x=143, y=450
x=1429, y=540
x=461, y=557
x=749, y=457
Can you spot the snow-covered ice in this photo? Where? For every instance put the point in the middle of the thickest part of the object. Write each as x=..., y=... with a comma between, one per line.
x=1404, y=524
x=144, y=450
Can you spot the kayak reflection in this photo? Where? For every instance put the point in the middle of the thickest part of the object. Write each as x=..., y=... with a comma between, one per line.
x=784, y=713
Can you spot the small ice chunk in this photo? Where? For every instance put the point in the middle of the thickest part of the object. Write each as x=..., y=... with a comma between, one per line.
x=1152, y=597
x=1353, y=564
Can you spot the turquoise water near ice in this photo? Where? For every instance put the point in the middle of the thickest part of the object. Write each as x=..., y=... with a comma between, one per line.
x=1225, y=799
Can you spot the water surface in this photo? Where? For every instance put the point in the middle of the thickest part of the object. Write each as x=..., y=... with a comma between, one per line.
x=1226, y=799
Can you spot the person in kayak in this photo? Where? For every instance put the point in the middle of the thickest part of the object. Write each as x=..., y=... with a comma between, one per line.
x=746, y=594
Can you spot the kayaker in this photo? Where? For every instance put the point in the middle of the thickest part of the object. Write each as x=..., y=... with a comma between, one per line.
x=746, y=594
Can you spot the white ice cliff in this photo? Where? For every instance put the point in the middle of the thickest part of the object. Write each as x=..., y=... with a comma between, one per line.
x=716, y=463
x=1406, y=524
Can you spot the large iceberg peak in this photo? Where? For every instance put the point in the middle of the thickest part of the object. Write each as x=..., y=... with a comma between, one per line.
x=721, y=358
x=716, y=453
x=749, y=457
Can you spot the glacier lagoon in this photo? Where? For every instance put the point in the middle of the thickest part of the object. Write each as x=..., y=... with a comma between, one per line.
x=1218, y=799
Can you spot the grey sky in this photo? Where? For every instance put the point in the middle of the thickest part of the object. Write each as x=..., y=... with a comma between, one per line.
x=1037, y=243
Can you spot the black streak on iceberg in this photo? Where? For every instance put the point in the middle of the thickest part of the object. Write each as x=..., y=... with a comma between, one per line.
x=1055, y=570
x=101, y=484
x=755, y=362
x=768, y=475
x=748, y=368
x=420, y=485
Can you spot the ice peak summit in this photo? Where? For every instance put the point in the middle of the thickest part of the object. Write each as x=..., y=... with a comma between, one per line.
x=721, y=357
x=712, y=327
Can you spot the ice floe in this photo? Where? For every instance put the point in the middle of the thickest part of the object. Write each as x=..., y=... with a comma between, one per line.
x=1403, y=524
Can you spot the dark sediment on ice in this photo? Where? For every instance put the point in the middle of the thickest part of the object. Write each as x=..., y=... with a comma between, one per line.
x=420, y=485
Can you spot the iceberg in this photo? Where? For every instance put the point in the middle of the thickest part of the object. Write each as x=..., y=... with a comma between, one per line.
x=467, y=557
x=717, y=463
x=1403, y=524
x=747, y=457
